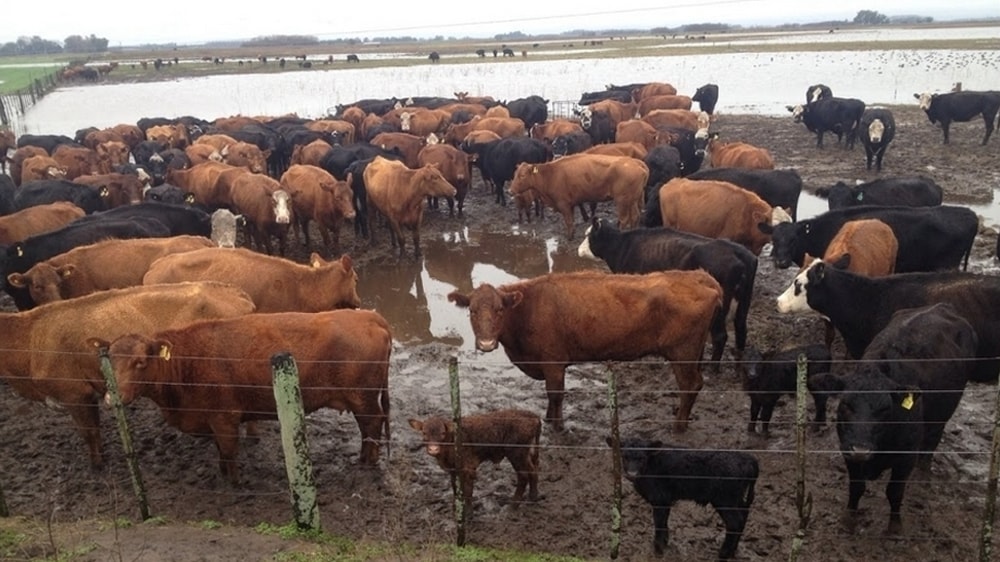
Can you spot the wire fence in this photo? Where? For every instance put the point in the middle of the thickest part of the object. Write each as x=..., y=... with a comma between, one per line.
x=625, y=405
x=14, y=104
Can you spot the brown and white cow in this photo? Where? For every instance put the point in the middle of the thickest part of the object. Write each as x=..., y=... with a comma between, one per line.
x=422, y=122
x=199, y=153
x=174, y=136
x=718, y=209
x=20, y=156
x=585, y=178
x=77, y=160
x=71, y=379
x=275, y=284
x=246, y=155
x=737, y=155
x=547, y=323
x=343, y=130
x=342, y=359
x=318, y=196
x=266, y=207
x=398, y=193
x=454, y=166
x=111, y=155
x=36, y=220
x=40, y=167
x=109, y=264
x=8, y=142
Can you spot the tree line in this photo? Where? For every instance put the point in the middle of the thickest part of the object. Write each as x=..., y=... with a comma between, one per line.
x=37, y=46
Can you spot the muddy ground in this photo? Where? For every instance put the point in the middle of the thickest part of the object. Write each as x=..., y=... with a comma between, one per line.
x=45, y=476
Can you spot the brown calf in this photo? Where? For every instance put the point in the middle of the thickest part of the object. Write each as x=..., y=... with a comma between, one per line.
x=318, y=196
x=454, y=166
x=36, y=220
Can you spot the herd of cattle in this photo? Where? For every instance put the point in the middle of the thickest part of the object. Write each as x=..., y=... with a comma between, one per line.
x=121, y=239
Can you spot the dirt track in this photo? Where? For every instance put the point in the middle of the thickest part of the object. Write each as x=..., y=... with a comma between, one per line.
x=44, y=473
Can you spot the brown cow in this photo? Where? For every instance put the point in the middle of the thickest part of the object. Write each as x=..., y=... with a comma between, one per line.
x=109, y=264
x=201, y=181
x=342, y=359
x=218, y=141
x=116, y=190
x=454, y=166
x=36, y=220
x=18, y=158
x=662, y=118
x=718, y=209
x=311, y=154
x=617, y=111
x=737, y=155
x=77, y=160
x=548, y=323
x=343, y=130
x=234, y=122
x=275, y=284
x=554, y=128
x=497, y=111
x=398, y=193
x=480, y=137
x=94, y=138
x=266, y=207
x=46, y=357
x=631, y=149
x=505, y=128
x=110, y=155
x=422, y=122
x=492, y=436
x=408, y=145
x=199, y=153
x=41, y=167
x=653, y=89
x=637, y=131
x=318, y=196
x=585, y=178
x=131, y=135
x=174, y=136
x=246, y=155
x=355, y=116
x=663, y=102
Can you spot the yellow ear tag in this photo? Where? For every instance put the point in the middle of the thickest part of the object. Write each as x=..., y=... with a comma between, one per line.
x=907, y=402
x=165, y=354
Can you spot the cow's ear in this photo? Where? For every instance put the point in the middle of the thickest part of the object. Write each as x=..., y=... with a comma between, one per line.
x=346, y=262
x=417, y=424
x=17, y=280
x=513, y=299
x=98, y=343
x=459, y=299
x=816, y=272
x=843, y=262
x=66, y=270
x=766, y=228
x=790, y=108
x=917, y=96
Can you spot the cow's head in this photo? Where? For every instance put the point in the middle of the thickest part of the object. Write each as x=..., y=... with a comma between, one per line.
x=636, y=455
x=131, y=355
x=404, y=120
x=875, y=411
x=787, y=241
x=488, y=307
x=437, y=433
x=924, y=100
x=875, y=130
x=586, y=116
x=797, y=111
x=702, y=138
x=795, y=298
x=282, y=203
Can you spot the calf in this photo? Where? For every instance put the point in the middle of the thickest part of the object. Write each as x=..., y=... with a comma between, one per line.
x=894, y=407
x=837, y=115
x=875, y=131
x=318, y=196
x=767, y=376
x=960, y=106
x=493, y=436
x=663, y=474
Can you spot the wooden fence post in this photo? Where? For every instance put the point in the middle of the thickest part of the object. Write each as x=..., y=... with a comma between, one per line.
x=616, y=466
x=291, y=416
x=803, y=501
x=989, y=514
x=124, y=432
x=456, y=416
x=3, y=504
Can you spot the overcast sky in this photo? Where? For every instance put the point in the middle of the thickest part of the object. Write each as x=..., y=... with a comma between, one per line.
x=134, y=22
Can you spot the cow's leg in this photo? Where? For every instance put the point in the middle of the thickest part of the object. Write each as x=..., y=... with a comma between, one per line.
x=819, y=139
x=661, y=535
x=689, y=383
x=740, y=322
x=416, y=242
x=755, y=407
x=945, y=125
x=856, y=487
x=989, y=126
x=227, y=441
x=735, y=519
x=467, y=478
x=894, y=490
x=568, y=214
x=555, y=390
x=766, y=411
x=869, y=154
x=370, y=419
x=719, y=334
x=86, y=415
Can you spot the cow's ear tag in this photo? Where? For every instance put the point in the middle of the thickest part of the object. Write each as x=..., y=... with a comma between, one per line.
x=907, y=401
x=165, y=355
x=861, y=196
x=534, y=169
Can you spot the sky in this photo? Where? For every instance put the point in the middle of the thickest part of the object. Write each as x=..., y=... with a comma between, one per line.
x=129, y=22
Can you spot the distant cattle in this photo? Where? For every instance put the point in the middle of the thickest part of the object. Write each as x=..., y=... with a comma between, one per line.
x=839, y=116
x=961, y=107
x=646, y=250
x=910, y=191
x=434, y=56
x=545, y=324
x=707, y=96
x=770, y=375
x=353, y=58
x=779, y=188
x=664, y=474
x=492, y=436
x=875, y=131
x=342, y=359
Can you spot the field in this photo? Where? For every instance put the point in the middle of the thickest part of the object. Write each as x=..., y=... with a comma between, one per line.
x=402, y=510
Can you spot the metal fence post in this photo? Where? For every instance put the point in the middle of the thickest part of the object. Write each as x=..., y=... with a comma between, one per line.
x=456, y=416
x=291, y=416
x=803, y=501
x=989, y=514
x=616, y=466
x=125, y=432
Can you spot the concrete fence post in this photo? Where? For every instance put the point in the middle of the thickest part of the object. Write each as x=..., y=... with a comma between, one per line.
x=291, y=416
x=124, y=432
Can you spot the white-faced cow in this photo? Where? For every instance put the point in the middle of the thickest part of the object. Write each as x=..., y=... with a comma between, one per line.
x=962, y=107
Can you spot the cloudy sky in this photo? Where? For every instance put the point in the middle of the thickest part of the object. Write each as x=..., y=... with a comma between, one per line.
x=196, y=21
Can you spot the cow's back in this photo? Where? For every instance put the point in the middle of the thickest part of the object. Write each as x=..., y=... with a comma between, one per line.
x=715, y=209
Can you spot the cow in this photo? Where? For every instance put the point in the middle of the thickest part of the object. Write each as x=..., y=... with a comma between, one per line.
x=586, y=178
x=41, y=167
x=532, y=110
x=434, y=57
x=632, y=149
x=7, y=192
x=707, y=96
x=33, y=371
x=929, y=238
x=42, y=192
x=961, y=107
x=546, y=324
x=202, y=152
x=110, y=155
x=663, y=474
x=571, y=143
x=342, y=359
x=178, y=219
x=682, y=118
x=894, y=407
x=665, y=163
x=115, y=189
x=166, y=193
x=454, y=166
x=398, y=193
x=549, y=130
x=779, y=188
x=275, y=284
x=201, y=181
x=505, y=127
x=840, y=116
x=859, y=307
x=318, y=196
x=424, y=121
x=493, y=436
x=875, y=131
x=353, y=58
x=622, y=95
x=17, y=162
x=737, y=154
x=769, y=375
x=246, y=155
x=36, y=220
x=598, y=124
x=311, y=154
x=818, y=92
x=663, y=102
x=687, y=143
x=406, y=144
x=634, y=130
x=108, y=264
x=267, y=208
x=48, y=143
x=77, y=160
x=900, y=191
x=646, y=250
x=643, y=91
x=498, y=160
x=718, y=209
x=8, y=142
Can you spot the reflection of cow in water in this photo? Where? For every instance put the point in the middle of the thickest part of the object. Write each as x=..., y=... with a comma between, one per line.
x=400, y=298
x=434, y=56
x=519, y=256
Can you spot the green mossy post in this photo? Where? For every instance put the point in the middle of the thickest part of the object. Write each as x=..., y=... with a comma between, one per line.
x=291, y=416
x=803, y=501
x=456, y=415
x=989, y=514
x=616, y=467
x=125, y=432
x=3, y=505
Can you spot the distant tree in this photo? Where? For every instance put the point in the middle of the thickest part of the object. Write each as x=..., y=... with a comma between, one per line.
x=871, y=17
x=78, y=44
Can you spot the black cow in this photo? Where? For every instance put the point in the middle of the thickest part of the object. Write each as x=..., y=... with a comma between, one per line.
x=598, y=125
x=162, y=162
x=179, y=219
x=49, y=143
x=818, y=92
x=7, y=192
x=43, y=192
x=353, y=58
x=930, y=238
x=686, y=142
x=917, y=191
x=769, y=375
x=837, y=115
x=532, y=110
x=876, y=131
x=706, y=96
x=962, y=107
x=860, y=307
x=894, y=408
x=779, y=188
x=145, y=150
x=370, y=105
x=571, y=143
x=664, y=163
x=338, y=158
x=588, y=98
x=663, y=474
x=429, y=102
x=434, y=56
x=508, y=52
x=497, y=160
x=646, y=250
x=166, y=193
